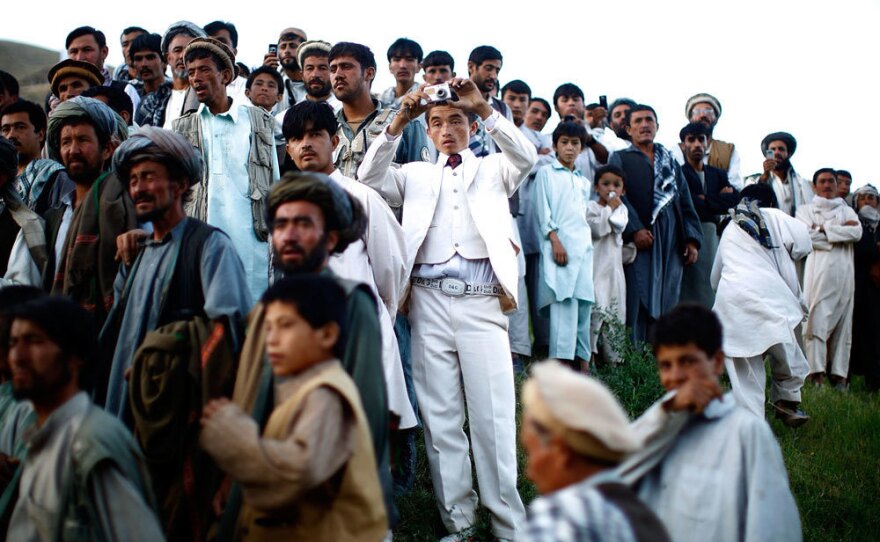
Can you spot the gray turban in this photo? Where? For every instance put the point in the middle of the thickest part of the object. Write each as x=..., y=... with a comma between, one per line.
x=160, y=145
x=867, y=189
x=181, y=27
x=106, y=121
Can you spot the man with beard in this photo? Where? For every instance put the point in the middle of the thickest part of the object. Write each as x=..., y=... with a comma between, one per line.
x=712, y=196
x=313, y=218
x=706, y=109
x=662, y=223
x=149, y=64
x=404, y=58
x=829, y=280
x=865, y=354
x=81, y=234
x=39, y=182
x=82, y=472
x=174, y=42
x=286, y=61
x=185, y=271
x=568, y=100
x=362, y=118
x=484, y=66
x=313, y=57
x=791, y=189
x=617, y=122
x=236, y=142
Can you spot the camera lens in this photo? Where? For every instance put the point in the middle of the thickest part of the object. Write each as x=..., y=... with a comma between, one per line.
x=441, y=92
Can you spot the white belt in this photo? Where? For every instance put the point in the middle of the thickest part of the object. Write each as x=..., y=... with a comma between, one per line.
x=457, y=288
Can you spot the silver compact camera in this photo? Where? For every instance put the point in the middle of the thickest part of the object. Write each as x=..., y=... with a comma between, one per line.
x=439, y=93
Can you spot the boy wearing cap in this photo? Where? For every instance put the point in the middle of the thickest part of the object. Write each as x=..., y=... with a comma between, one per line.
x=710, y=469
x=312, y=473
x=575, y=433
x=70, y=78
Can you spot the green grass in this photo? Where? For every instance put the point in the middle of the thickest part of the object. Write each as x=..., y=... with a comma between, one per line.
x=833, y=461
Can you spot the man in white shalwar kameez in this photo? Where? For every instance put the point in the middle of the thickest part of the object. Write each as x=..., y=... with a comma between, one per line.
x=829, y=279
x=709, y=469
x=377, y=260
x=758, y=300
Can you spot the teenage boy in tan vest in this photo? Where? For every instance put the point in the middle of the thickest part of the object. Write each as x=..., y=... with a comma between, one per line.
x=312, y=474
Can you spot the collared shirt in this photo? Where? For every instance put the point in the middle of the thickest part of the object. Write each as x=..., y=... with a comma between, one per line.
x=226, y=140
x=578, y=513
x=714, y=476
x=222, y=280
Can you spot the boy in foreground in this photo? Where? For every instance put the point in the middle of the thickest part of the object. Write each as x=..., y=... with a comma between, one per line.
x=312, y=475
x=710, y=469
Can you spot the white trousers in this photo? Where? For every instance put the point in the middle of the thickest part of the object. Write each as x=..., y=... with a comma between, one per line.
x=837, y=346
x=748, y=376
x=518, y=320
x=570, y=329
x=461, y=356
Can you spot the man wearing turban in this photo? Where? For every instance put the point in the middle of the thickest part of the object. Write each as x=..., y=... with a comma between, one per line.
x=706, y=109
x=185, y=270
x=791, y=189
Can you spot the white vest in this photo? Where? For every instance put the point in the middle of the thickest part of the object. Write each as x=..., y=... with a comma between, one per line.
x=453, y=229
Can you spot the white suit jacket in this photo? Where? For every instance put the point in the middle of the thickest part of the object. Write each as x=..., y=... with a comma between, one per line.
x=489, y=182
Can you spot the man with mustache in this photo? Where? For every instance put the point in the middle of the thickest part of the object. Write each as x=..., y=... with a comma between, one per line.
x=404, y=57
x=185, y=270
x=149, y=64
x=706, y=109
x=663, y=223
x=39, y=182
x=791, y=190
x=174, y=42
x=237, y=144
x=287, y=62
x=362, y=117
x=315, y=62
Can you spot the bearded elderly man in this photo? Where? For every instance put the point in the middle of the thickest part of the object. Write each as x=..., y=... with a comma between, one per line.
x=865, y=354
x=706, y=109
x=174, y=41
x=81, y=234
x=791, y=189
x=829, y=280
x=462, y=257
x=237, y=143
x=574, y=433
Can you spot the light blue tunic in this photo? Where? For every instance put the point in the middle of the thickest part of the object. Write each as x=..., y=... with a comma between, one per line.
x=223, y=287
x=227, y=141
x=561, y=197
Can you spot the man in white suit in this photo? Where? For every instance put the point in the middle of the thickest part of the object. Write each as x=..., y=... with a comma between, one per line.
x=462, y=258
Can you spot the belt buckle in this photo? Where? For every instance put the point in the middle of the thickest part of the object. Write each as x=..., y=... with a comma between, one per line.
x=453, y=287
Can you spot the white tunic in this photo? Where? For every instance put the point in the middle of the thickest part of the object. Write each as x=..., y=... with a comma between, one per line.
x=758, y=298
x=715, y=476
x=379, y=261
x=829, y=277
x=609, y=283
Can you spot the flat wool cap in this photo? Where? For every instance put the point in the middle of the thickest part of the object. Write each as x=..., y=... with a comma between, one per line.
x=580, y=410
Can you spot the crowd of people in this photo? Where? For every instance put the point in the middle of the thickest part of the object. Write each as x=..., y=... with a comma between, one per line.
x=231, y=295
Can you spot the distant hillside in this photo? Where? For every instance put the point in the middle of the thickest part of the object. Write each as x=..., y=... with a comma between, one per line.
x=29, y=64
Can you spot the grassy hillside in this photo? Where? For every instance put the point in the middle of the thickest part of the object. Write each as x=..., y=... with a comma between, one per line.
x=29, y=64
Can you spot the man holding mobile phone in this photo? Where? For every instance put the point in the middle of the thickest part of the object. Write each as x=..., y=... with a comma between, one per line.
x=791, y=189
x=282, y=56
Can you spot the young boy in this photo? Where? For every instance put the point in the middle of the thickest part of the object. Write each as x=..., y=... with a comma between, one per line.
x=566, y=247
x=709, y=468
x=312, y=474
x=607, y=219
x=264, y=88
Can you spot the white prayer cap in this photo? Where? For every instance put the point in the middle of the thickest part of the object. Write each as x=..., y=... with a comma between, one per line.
x=579, y=410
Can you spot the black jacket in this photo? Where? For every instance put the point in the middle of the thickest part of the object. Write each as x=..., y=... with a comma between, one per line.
x=713, y=202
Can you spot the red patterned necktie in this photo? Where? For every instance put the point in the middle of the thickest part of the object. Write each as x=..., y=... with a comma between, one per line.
x=453, y=161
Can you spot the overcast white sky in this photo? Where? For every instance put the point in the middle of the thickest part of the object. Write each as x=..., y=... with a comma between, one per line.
x=806, y=67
